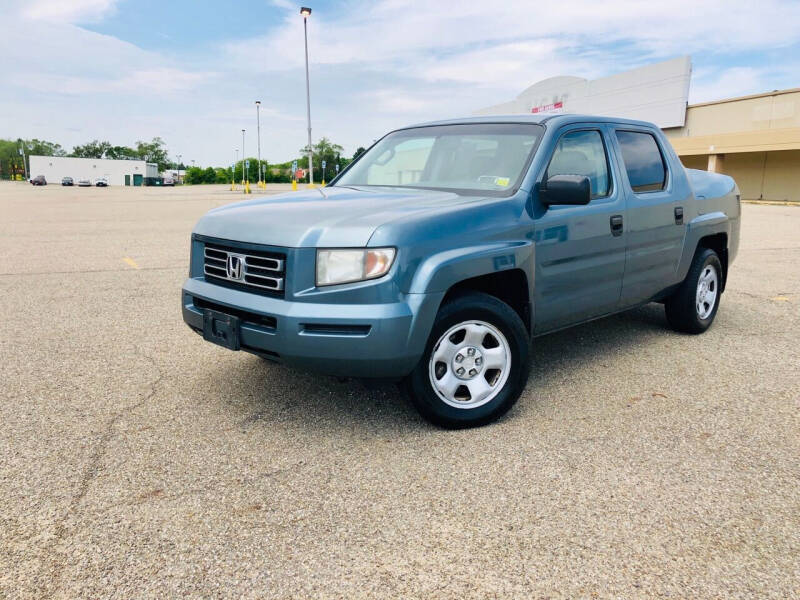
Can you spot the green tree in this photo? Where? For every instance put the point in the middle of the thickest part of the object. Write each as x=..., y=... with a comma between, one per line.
x=360, y=150
x=193, y=176
x=324, y=150
x=11, y=160
x=122, y=152
x=93, y=149
x=154, y=151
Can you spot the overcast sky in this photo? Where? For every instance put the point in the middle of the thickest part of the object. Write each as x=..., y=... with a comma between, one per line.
x=190, y=71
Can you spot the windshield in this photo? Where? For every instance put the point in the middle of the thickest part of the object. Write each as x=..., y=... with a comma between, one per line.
x=475, y=158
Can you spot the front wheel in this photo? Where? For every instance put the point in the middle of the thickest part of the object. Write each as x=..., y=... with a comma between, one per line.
x=475, y=363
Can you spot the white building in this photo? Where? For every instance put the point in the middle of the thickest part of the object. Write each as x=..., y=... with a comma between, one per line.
x=117, y=172
x=656, y=93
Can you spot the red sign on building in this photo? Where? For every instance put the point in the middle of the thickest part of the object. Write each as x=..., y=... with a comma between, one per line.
x=547, y=107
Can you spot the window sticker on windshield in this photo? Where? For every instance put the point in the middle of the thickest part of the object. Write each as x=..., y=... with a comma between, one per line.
x=502, y=181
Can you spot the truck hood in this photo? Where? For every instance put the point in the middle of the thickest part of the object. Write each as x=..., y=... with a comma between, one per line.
x=326, y=217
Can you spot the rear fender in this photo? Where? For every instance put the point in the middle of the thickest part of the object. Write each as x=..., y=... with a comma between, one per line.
x=701, y=226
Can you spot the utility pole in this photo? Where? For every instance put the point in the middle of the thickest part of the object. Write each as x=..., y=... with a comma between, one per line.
x=258, y=125
x=24, y=164
x=305, y=11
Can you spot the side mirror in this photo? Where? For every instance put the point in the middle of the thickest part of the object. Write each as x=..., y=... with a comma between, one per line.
x=565, y=189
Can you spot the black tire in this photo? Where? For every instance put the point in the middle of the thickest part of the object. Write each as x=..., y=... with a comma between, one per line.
x=681, y=308
x=466, y=308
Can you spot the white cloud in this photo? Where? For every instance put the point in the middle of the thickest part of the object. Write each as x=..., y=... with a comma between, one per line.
x=375, y=65
x=69, y=11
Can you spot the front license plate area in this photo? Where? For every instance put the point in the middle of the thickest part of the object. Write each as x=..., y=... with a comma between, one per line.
x=221, y=329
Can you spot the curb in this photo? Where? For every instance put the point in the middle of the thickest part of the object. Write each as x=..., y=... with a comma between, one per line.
x=772, y=202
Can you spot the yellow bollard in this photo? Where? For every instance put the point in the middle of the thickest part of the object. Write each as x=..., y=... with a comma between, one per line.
x=323, y=183
x=294, y=185
x=247, y=187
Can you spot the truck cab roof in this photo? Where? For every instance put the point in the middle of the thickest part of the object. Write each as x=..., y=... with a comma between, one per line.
x=556, y=119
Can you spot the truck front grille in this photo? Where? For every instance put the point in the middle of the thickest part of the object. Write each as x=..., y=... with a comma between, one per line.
x=252, y=270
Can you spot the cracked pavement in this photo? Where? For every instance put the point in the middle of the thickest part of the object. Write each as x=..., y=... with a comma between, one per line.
x=137, y=461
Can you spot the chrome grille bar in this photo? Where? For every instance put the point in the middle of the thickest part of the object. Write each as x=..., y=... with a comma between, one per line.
x=248, y=270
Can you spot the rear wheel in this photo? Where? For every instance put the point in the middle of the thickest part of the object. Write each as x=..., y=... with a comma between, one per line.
x=475, y=364
x=693, y=306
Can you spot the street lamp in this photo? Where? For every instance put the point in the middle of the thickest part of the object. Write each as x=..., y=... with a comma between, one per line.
x=258, y=137
x=242, y=156
x=306, y=12
x=233, y=170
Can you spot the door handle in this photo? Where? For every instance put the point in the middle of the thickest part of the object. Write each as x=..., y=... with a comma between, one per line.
x=679, y=215
x=616, y=225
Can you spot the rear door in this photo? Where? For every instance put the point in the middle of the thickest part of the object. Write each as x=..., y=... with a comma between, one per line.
x=580, y=250
x=655, y=224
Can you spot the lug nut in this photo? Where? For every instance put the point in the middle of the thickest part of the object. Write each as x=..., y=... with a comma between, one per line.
x=473, y=372
x=478, y=360
x=460, y=370
x=459, y=358
x=470, y=351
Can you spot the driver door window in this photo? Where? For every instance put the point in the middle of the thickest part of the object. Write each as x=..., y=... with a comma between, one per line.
x=582, y=153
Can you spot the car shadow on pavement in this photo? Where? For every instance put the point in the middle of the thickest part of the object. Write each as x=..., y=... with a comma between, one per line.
x=265, y=394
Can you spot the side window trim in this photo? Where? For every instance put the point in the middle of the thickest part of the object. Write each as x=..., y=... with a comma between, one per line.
x=609, y=170
x=624, y=169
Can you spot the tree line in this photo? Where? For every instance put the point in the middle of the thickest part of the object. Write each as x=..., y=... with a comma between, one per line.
x=324, y=150
x=155, y=151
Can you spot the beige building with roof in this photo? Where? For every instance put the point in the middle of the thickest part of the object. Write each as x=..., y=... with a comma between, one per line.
x=754, y=139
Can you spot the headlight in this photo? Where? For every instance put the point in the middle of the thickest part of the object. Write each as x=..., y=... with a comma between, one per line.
x=347, y=266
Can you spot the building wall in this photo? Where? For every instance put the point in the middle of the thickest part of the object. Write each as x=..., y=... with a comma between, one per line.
x=54, y=168
x=754, y=139
x=758, y=113
x=771, y=176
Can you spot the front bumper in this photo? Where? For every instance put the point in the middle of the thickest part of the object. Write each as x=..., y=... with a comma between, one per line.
x=349, y=340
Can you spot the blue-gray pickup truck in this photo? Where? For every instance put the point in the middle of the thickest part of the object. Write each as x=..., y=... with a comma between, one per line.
x=438, y=254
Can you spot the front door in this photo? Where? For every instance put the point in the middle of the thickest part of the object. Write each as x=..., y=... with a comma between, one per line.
x=655, y=220
x=137, y=179
x=580, y=250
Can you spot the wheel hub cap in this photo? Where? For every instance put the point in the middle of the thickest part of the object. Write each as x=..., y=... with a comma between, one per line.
x=470, y=364
x=706, y=295
x=467, y=363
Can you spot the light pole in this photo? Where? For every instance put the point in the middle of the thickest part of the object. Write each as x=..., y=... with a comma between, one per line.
x=233, y=170
x=178, y=169
x=24, y=164
x=258, y=137
x=306, y=12
x=242, y=156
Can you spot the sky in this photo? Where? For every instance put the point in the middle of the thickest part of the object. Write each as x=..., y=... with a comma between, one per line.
x=190, y=71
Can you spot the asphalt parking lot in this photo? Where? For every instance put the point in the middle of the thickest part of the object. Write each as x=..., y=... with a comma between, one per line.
x=137, y=461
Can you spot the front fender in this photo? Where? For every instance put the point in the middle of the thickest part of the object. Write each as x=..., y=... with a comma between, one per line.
x=440, y=271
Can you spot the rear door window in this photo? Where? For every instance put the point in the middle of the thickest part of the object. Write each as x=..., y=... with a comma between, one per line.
x=643, y=161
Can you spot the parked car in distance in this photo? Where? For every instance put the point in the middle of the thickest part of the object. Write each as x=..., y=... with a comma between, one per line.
x=169, y=181
x=101, y=182
x=66, y=181
x=439, y=253
x=39, y=180
x=84, y=183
